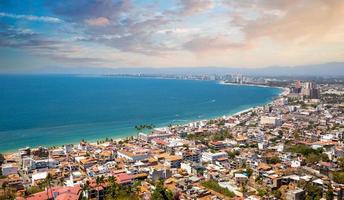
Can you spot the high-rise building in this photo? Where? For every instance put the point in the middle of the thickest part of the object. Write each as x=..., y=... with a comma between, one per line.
x=310, y=90
x=298, y=86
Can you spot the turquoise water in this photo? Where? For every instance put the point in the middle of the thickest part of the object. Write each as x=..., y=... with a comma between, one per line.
x=52, y=110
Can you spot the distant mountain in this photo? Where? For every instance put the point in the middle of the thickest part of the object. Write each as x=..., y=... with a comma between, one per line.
x=326, y=69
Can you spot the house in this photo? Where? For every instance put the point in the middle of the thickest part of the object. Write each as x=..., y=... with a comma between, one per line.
x=240, y=178
x=211, y=157
x=159, y=172
x=132, y=156
x=188, y=167
x=217, y=145
x=173, y=161
x=9, y=168
x=270, y=121
x=38, y=177
x=296, y=194
x=156, y=135
x=58, y=193
x=124, y=179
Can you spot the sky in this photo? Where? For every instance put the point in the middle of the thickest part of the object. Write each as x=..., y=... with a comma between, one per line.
x=38, y=34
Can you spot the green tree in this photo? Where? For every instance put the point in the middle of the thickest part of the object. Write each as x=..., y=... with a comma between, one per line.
x=329, y=193
x=312, y=158
x=213, y=185
x=161, y=193
x=277, y=194
x=7, y=192
x=47, y=182
x=273, y=160
x=313, y=192
x=114, y=187
x=61, y=181
x=99, y=180
x=338, y=177
x=85, y=189
x=340, y=162
x=249, y=171
x=2, y=159
x=262, y=192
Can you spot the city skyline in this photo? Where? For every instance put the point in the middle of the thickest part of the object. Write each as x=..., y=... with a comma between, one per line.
x=38, y=35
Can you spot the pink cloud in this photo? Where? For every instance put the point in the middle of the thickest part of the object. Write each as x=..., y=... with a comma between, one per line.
x=100, y=21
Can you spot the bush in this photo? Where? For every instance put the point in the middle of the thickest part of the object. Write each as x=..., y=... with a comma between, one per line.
x=338, y=177
x=273, y=160
x=2, y=159
x=305, y=150
x=213, y=185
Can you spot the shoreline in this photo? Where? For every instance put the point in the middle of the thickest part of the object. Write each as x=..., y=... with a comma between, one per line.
x=285, y=90
x=133, y=134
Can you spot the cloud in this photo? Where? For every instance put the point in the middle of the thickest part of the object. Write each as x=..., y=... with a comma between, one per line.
x=208, y=43
x=100, y=21
x=289, y=20
x=31, y=17
x=115, y=23
x=89, y=9
x=182, y=32
x=190, y=7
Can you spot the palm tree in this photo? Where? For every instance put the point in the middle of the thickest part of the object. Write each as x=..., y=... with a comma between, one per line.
x=4, y=186
x=61, y=181
x=99, y=180
x=135, y=187
x=85, y=188
x=138, y=129
x=48, y=180
x=114, y=187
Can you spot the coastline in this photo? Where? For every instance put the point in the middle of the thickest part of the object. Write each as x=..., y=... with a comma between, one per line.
x=124, y=136
x=285, y=90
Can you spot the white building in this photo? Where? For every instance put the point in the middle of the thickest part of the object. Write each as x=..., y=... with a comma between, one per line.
x=38, y=176
x=270, y=121
x=8, y=169
x=29, y=163
x=68, y=148
x=132, y=156
x=148, y=137
x=211, y=157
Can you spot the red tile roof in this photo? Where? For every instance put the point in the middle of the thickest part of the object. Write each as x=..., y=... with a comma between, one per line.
x=64, y=192
x=123, y=178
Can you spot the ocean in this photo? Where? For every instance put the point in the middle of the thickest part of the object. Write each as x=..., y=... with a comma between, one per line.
x=46, y=110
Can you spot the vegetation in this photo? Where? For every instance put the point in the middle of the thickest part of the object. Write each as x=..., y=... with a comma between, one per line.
x=99, y=180
x=329, y=194
x=213, y=185
x=197, y=137
x=6, y=193
x=32, y=190
x=161, y=193
x=1, y=176
x=305, y=150
x=340, y=162
x=221, y=135
x=262, y=192
x=273, y=160
x=2, y=159
x=116, y=191
x=338, y=177
x=312, y=156
x=143, y=127
x=232, y=154
x=277, y=194
x=313, y=192
x=85, y=189
x=249, y=172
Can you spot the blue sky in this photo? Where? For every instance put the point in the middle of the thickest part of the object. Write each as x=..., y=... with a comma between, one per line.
x=38, y=34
